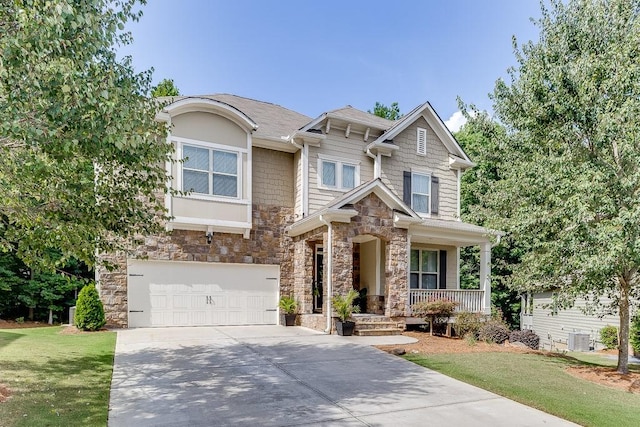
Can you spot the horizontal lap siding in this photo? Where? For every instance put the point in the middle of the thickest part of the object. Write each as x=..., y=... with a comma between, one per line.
x=435, y=162
x=556, y=327
x=344, y=149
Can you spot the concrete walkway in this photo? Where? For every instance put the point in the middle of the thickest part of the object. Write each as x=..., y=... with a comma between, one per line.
x=277, y=376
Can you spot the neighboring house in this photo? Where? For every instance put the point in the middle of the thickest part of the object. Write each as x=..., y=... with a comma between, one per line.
x=565, y=329
x=283, y=204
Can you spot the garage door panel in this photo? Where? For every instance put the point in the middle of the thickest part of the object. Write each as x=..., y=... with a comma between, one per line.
x=165, y=293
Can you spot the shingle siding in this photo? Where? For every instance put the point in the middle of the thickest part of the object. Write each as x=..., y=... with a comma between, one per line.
x=273, y=178
x=435, y=162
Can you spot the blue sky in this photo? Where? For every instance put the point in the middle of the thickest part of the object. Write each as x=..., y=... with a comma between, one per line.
x=315, y=56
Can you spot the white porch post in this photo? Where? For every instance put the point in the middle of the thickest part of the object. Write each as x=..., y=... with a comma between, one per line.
x=485, y=275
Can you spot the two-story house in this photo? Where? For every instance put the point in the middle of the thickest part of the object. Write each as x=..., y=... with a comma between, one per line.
x=278, y=203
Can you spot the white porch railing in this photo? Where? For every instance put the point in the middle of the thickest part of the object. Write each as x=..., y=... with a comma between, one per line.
x=468, y=300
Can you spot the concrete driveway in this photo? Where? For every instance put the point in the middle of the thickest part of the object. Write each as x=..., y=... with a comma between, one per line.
x=277, y=376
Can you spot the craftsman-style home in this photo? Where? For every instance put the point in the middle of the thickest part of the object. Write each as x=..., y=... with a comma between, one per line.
x=278, y=203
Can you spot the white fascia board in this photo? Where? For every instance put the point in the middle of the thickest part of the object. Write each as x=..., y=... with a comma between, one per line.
x=190, y=104
x=338, y=215
x=277, y=144
x=458, y=163
x=383, y=148
x=320, y=219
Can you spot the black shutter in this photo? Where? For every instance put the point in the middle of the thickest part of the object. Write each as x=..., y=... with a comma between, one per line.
x=435, y=199
x=406, y=188
x=443, y=269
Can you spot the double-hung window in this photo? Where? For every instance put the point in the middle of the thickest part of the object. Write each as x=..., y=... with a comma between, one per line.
x=420, y=192
x=338, y=175
x=424, y=269
x=209, y=171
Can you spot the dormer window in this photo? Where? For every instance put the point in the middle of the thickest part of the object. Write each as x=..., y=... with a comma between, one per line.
x=338, y=175
x=209, y=171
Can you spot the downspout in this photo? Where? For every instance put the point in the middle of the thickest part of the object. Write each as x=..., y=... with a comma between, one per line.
x=376, y=163
x=328, y=254
x=304, y=154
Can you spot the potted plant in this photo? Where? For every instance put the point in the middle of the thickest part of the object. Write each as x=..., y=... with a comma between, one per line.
x=288, y=306
x=343, y=305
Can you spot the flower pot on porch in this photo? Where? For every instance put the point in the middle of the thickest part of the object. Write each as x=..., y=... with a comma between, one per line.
x=290, y=319
x=345, y=328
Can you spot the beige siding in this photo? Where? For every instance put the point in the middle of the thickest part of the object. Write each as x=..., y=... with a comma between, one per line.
x=435, y=162
x=554, y=329
x=209, y=127
x=273, y=177
x=212, y=128
x=298, y=179
x=208, y=209
x=338, y=147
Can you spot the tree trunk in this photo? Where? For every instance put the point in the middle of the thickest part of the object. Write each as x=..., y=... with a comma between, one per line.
x=30, y=313
x=50, y=317
x=623, y=312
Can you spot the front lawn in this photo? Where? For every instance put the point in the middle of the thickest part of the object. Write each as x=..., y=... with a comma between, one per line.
x=55, y=379
x=539, y=381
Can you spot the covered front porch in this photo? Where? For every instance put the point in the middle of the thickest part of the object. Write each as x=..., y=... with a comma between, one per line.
x=430, y=233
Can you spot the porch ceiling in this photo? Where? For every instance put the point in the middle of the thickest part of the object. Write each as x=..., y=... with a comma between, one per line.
x=451, y=233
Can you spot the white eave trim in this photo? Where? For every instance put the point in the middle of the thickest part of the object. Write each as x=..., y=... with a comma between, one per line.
x=320, y=219
x=192, y=104
x=384, y=148
x=455, y=231
x=403, y=221
x=303, y=137
x=456, y=162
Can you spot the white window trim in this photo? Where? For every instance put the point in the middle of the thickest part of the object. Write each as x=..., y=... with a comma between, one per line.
x=421, y=146
x=339, y=165
x=428, y=175
x=181, y=142
x=420, y=272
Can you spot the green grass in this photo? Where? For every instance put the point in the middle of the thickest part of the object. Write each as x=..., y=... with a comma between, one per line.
x=541, y=382
x=55, y=380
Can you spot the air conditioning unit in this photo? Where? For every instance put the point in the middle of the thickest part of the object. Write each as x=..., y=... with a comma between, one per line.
x=578, y=341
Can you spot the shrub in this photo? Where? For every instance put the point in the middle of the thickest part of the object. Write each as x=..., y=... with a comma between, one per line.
x=609, y=337
x=493, y=331
x=634, y=335
x=89, y=310
x=526, y=337
x=437, y=308
x=467, y=324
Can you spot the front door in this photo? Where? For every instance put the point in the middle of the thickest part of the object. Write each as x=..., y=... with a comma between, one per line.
x=318, y=279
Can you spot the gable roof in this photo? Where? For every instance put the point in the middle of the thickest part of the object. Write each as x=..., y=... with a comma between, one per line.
x=436, y=123
x=340, y=210
x=352, y=115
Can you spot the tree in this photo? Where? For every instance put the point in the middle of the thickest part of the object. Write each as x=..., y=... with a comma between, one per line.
x=165, y=88
x=481, y=137
x=81, y=155
x=389, y=113
x=572, y=190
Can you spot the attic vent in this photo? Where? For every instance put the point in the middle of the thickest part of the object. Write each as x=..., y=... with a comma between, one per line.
x=421, y=146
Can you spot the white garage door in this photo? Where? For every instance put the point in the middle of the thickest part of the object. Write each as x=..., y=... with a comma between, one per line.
x=163, y=293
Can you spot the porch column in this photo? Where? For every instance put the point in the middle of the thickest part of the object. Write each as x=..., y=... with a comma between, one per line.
x=485, y=275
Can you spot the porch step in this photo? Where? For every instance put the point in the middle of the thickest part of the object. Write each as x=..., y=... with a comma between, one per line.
x=377, y=332
x=377, y=325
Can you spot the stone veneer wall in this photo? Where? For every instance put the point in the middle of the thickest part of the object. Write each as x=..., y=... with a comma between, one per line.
x=267, y=244
x=374, y=218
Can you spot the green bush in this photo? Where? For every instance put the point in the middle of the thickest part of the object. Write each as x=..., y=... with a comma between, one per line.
x=343, y=305
x=634, y=335
x=467, y=324
x=494, y=330
x=288, y=305
x=527, y=337
x=89, y=311
x=609, y=337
